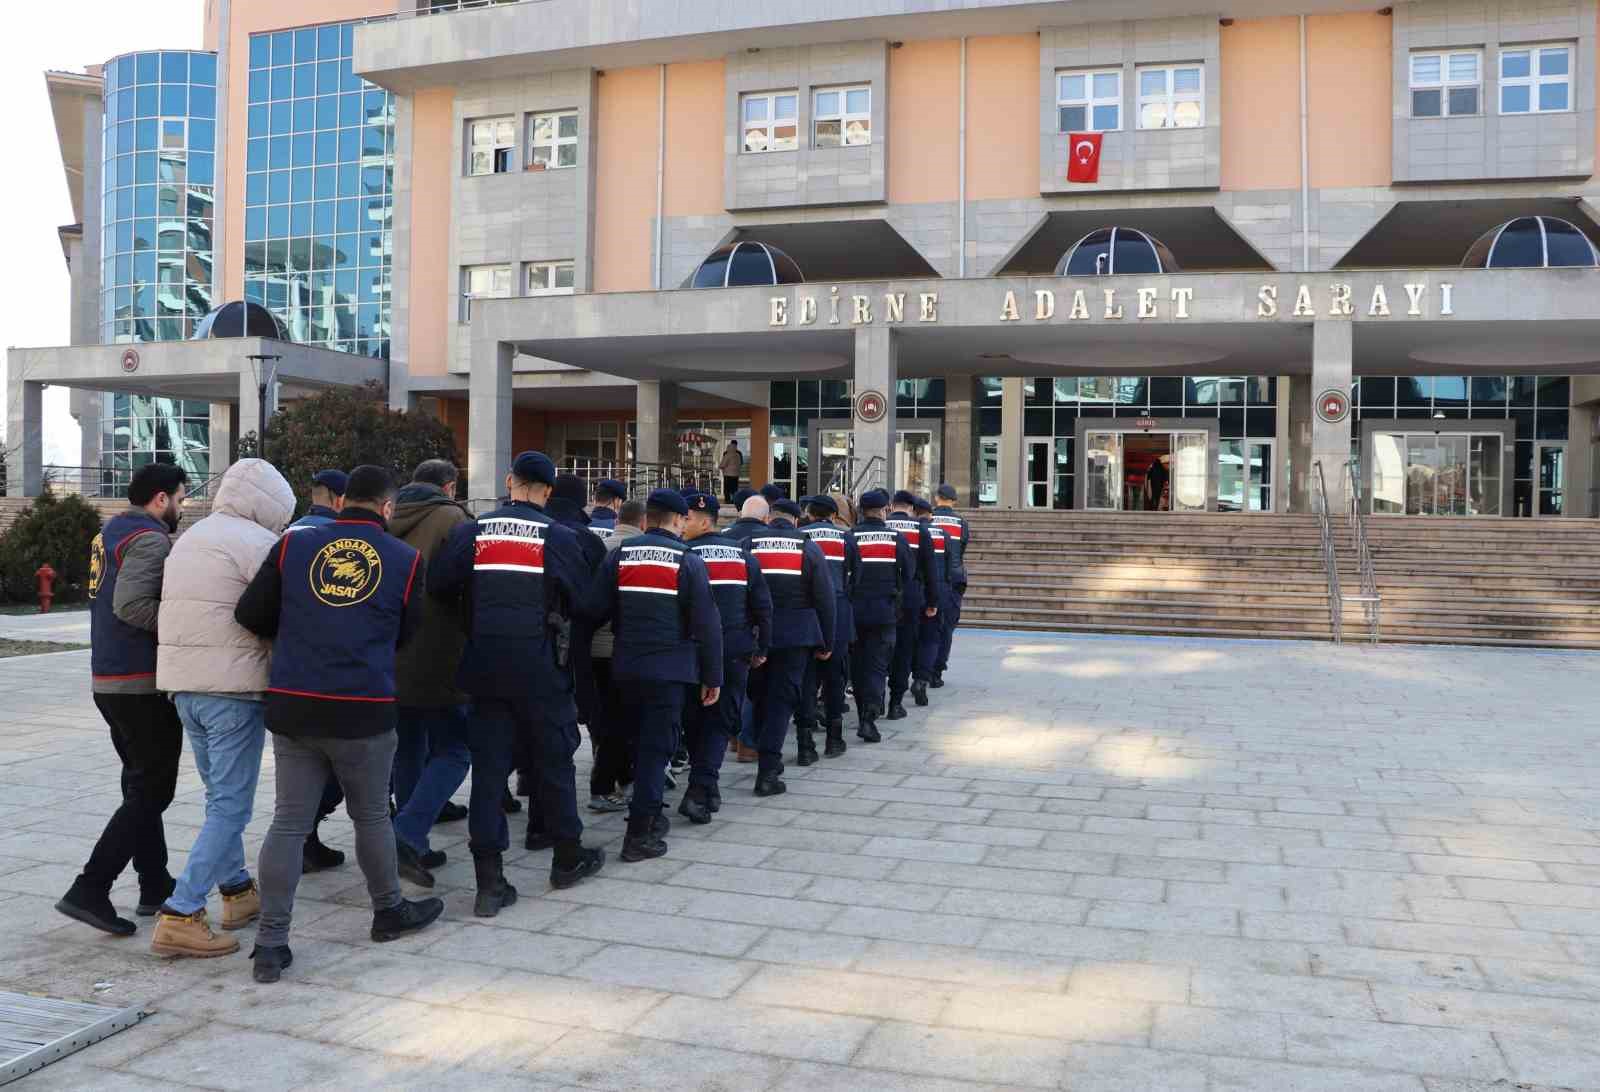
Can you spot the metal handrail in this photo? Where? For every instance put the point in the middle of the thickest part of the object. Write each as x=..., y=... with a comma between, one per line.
x=849, y=481
x=641, y=478
x=1371, y=602
x=1330, y=555
x=107, y=482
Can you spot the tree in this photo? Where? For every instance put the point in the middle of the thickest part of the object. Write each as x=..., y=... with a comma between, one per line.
x=58, y=530
x=345, y=427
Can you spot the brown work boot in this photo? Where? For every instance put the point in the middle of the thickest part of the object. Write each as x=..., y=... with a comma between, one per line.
x=744, y=754
x=241, y=907
x=189, y=935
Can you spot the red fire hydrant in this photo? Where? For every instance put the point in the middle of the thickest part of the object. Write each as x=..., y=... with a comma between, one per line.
x=46, y=576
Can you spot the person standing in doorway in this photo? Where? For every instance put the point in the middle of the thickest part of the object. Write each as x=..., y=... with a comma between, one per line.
x=126, y=567
x=216, y=672
x=732, y=466
x=1155, y=483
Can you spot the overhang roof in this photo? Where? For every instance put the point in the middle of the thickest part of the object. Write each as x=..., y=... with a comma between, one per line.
x=1436, y=234
x=1199, y=238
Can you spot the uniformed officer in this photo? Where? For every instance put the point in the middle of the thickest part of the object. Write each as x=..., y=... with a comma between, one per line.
x=518, y=574
x=958, y=539
x=920, y=598
x=803, y=626
x=839, y=547
x=745, y=604
x=886, y=569
x=656, y=593
x=930, y=631
x=609, y=495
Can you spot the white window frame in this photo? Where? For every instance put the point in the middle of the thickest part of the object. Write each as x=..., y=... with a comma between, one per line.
x=1090, y=100
x=1170, y=98
x=540, y=278
x=493, y=272
x=1535, y=79
x=1444, y=84
x=772, y=121
x=494, y=146
x=555, y=143
x=843, y=115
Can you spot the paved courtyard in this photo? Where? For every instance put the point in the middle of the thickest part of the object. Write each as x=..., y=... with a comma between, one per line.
x=1094, y=863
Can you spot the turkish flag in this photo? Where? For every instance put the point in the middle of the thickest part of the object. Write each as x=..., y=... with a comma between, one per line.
x=1083, y=164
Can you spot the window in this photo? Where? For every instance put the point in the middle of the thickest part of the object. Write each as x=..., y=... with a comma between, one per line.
x=482, y=282
x=1172, y=97
x=1444, y=84
x=1089, y=101
x=1535, y=79
x=842, y=117
x=553, y=140
x=492, y=142
x=771, y=121
x=549, y=278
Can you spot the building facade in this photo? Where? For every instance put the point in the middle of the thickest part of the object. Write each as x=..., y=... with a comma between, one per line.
x=505, y=208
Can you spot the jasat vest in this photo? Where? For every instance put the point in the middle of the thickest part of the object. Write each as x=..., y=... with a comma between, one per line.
x=117, y=650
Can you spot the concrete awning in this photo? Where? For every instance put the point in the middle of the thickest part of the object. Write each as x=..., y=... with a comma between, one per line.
x=1199, y=238
x=839, y=250
x=1436, y=234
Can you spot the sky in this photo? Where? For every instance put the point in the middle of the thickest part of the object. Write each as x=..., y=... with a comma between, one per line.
x=66, y=35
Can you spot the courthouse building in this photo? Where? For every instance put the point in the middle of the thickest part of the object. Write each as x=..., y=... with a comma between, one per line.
x=845, y=236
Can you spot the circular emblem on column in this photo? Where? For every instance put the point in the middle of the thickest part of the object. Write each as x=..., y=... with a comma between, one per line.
x=1333, y=405
x=130, y=360
x=871, y=406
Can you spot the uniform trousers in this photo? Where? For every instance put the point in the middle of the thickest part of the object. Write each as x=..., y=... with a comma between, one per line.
x=710, y=727
x=657, y=713
x=873, y=651
x=908, y=635
x=829, y=677
x=148, y=737
x=930, y=634
x=549, y=725
x=778, y=696
x=611, y=733
x=949, y=616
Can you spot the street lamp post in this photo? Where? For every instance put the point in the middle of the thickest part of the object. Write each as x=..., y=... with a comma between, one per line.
x=263, y=375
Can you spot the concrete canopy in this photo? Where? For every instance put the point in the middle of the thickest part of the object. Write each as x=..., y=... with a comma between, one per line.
x=1436, y=234
x=1199, y=238
x=839, y=250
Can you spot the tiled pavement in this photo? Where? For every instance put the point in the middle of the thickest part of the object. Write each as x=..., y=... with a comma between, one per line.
x=1092, y=864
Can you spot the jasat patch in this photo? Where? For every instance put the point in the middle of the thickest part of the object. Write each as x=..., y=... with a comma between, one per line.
x=345, y=572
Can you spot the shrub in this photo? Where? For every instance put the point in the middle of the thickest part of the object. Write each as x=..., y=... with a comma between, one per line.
x=58, y=530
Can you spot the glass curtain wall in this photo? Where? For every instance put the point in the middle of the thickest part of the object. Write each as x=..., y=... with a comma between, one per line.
x=796, y=403
x=319, y=187
x=138, y=430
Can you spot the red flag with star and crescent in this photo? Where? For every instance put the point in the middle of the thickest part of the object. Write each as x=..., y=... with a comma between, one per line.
x=1083, y=162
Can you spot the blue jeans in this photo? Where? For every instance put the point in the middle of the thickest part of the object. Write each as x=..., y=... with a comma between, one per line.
x=431, y=761
x=226, y=735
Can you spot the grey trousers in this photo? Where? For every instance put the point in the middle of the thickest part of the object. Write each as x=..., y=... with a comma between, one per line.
x=303, y=767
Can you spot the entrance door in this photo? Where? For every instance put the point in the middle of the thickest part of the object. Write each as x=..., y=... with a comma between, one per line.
x=1037, y=463
x=1244, y=476
x=915, y=461
x=834, y=447
x=1258, y=490
x=1552, y=469
x=1102, y=470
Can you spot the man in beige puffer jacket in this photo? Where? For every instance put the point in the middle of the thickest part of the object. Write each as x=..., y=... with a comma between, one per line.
x=216, y=671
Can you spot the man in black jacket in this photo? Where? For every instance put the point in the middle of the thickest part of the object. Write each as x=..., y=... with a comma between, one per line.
x=336, y=600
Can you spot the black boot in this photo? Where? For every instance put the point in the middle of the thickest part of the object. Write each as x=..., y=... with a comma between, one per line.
x=93, y=908
x=805, y=745
x=713, y=800
x=510, y=804
x=896, y=710
x=409, y=862
x=937, y=681
x=451, y=812
x=316, y=857
x=406, y=916
x=693, y=806
x=152, y=895
x=919, y=692
x=642, y=843
x=770, y=784
x=494, y=894
x=270, y=962
x=573, y=862
x=869, y=726
x=833, y=746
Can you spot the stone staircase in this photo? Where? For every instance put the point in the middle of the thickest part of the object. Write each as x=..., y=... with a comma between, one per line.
x=1511, y=582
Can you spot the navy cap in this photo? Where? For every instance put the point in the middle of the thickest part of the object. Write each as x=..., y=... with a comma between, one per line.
x=772, y=492
x=786, y=506
x=334, y=481
x=743, y=495
x=703, y=502
x=824, y=502
x=670, y=499
x=534, y=466
x=875, y=498
x=569, y=487
x=946, y=492
x=920, y=505
x=904, y=496
x=610, y=487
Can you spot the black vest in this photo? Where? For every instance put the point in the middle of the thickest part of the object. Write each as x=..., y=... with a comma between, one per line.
x=955, y=542
x=875, y=601
x=728, y=565
x=509, y=652
x=116, y=649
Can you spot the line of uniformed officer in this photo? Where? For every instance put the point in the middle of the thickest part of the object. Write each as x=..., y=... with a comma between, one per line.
x=838, y=546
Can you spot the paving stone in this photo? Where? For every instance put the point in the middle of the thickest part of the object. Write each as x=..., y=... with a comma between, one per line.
x=965, y=1054
x=1282, y=993
x=659, y=969
x=1075, y=1017
x=1437, y=1051
x=876, y=996
x=755, y=1028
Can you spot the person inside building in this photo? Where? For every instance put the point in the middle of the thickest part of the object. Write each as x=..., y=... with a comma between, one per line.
x=930, y=631
x=216, y=672
x=431, y=755
x=1155, y=485
x=958, y=539
x=519, y=575
x=887, y=568
x=611, y=736
x=336, y=601
x=609, y=495
x=667, y=652
x=745, y=607
x=919, y=597
x=838, y=545
x=126, y=570
x=732, y=467
x=803, y=627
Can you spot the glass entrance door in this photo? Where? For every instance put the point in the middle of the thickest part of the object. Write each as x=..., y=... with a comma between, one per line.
x=1552, y=479
x=834, y=447
x=1037, y=464
x=1102, y=470
x=1244, y=476
x=915, y=461
x=1189, y=472
x=1436, y=474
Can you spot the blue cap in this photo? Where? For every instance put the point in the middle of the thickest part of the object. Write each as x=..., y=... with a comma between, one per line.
x=875, y=498
x=787, y=507
x=534, y=466
x=703, y=502
x=773, y=492
x=670, y=499
x=904, y=496
x=946, y=492
x=610, y=487
x=743, y=495
x=823, y=501
x=920, y=505
x=334, y=481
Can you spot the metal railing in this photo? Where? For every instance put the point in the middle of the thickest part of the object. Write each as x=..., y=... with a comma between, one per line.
x=853, y=477
x=1330, y=555
x=641, y=478
x=107, y=482
x=1371, y=602
x=446, y=7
